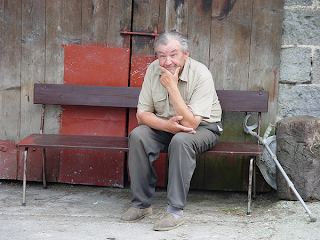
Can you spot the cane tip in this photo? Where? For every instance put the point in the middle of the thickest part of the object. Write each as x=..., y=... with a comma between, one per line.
x=313, y=219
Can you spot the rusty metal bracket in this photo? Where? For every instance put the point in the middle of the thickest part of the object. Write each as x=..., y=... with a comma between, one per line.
x=141, y=33
x=3, y=148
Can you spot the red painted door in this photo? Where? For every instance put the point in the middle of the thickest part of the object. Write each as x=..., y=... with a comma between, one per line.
x=92, y=65
x=100, y=66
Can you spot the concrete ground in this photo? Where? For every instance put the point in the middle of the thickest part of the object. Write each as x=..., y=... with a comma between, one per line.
x=70, y=212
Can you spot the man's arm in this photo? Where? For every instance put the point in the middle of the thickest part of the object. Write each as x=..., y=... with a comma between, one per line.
x=172, y=125
x=170, y=82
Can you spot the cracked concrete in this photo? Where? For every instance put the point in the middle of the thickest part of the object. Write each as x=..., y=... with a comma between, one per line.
x=70, y=212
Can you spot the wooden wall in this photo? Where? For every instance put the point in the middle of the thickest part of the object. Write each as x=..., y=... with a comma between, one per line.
x=239, y=40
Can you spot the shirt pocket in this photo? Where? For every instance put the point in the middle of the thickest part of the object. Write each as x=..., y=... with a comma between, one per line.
x=160, y=103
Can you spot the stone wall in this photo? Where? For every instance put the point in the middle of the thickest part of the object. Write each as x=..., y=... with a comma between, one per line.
x=299, y=84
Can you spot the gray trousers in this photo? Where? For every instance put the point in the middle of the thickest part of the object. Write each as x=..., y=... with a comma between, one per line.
x=145, y=145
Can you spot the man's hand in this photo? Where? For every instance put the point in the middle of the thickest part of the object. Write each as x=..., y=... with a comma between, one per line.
x=173, y=126
x=169, y=80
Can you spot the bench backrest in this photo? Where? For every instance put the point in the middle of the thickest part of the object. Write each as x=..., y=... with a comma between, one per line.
x=106, y=96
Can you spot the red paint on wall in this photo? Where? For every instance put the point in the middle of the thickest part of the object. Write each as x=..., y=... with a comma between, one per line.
x=98, y=121
x=8, y=159
x=93, y=65
x=99, y=66
x=139, y=65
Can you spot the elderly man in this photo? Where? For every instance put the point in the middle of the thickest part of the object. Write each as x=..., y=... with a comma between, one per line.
x=178, y=111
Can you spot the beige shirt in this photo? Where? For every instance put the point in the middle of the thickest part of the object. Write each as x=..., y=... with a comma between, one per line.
x=196, y=87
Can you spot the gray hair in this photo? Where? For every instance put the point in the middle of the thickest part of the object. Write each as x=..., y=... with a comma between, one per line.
x=166, y=37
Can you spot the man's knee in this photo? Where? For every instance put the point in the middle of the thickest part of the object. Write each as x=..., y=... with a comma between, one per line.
x=181, y=139
x=139, y=132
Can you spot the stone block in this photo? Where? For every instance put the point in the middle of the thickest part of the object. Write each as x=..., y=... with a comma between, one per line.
x=298, y=100
x=316, y=67
x=294, y=3
x=301, y=27
x=295, y=65
x=298, y=152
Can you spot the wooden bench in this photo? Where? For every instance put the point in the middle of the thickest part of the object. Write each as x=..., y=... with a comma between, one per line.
x=127, y=97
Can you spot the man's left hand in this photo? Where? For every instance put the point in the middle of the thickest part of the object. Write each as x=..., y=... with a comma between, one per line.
x=169, y=80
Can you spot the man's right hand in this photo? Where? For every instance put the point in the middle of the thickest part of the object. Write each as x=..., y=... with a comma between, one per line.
x=173, y=126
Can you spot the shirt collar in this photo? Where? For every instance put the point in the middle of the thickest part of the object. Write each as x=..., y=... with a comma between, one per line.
x=184, y=74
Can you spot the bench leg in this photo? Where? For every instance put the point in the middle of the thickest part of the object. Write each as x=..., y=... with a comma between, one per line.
x=24, y=177
x=254, y=194
x=250, y=185
x=44, y=181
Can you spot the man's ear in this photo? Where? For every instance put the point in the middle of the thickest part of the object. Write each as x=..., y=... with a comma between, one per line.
x=186, y=55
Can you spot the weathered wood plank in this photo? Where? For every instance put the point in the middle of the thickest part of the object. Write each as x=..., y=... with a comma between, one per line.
x=63, y=26
x=145, y=19
x=2, y=49
x=32, y=63
x=230, y=55
x=162, y=16
x=10, y=63
x=198, y=31
x=230, y=47
x=95, y=22
x=177, y=16
x=10, y=69
x=119, y=19
x=265, y=52
x=71, y=22
x=54, y=50
x=265, y=45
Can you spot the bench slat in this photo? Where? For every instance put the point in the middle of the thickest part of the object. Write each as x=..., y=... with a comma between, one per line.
x=110, y=143
x=106, y=96
x=83, y=95
x=243, y=101
x=236, y=148
x=75, y=142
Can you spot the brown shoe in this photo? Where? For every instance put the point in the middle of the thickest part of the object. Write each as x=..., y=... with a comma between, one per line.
x=135, y=214
x=168, y=222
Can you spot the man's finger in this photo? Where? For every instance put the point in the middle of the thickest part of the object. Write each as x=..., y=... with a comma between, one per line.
x=163, y=69
x=188, y=130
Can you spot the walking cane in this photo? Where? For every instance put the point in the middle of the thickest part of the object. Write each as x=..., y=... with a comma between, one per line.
x=249, y=130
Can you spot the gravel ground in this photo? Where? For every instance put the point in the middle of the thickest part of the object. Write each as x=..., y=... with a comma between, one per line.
x=65, y=211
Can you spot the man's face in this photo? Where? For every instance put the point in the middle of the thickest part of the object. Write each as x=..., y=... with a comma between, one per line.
x=171, y=56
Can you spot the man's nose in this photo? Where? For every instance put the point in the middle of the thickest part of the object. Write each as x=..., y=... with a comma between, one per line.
x=168, y=61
